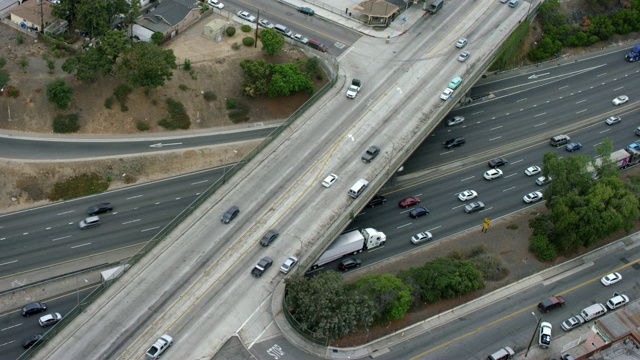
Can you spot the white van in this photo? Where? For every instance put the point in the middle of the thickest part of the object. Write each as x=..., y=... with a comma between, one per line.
x=283, y=30
x=502, y=354
x=593, y=312
x=358, y=188
x=435, y=6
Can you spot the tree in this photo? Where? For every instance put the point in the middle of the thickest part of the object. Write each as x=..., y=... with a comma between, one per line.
x=114, y=43
x=288, y=78
x=147, y=65
x=157, y=37
x=272, y=42
x=256, y=75
x=98, y=60
x=392, y=297
x=96, y=16
x=59, y=93
x=323, y=305
x=66, y=9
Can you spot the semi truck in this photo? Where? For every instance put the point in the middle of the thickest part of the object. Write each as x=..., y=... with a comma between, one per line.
x=633, y=54
x=351, y=242
x=623, y=158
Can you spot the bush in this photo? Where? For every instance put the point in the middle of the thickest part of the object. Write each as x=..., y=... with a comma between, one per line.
x=542, y=248
x=209, y=95
x=231, y=103
x=230, y=31
x=20, y=39
x=121, y=92
x=493, y=268
x=178, y=118
x=512, y=227
x=13, y=92
x=183, y=87
x=77, y=186
x=245, y=28
x=108, y=102
x=66, y=123
x=187, y=65
x=239, y=112
x=142, y=125
x=235, y=46
x=248, y=41
x=3, y=61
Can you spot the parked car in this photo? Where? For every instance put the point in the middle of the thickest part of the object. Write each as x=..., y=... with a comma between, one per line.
x=620, y=100
x=33, y=308
x=544, y=340
x=467, y=195
x=492, y=174
x=269, y=237
x=573, y=146
x=215, y=4
x=572, y=323
x=462, y=42
x=349, y=263
x=464, y=56
x=377, y=200
x=99, y=209
x=288, y=264
x=266, y=24
x=446, y=94
x=611, y=279
x=230, y=214
x=498, y=162
x=329, y=180
x=422, y=237
x=409, y=201
x=455, y=120
x=419, y=211
x=29, y=341
x=612, y=120
x=49, y=319
x=159, y=347
x=300, y=38
x=306, y=10
x=246, y=16
x=617, y=300
x=532, y=170
x=473, y=207
x=532, y=197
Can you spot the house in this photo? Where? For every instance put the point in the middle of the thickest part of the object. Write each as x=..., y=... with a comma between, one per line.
x=168, y=17
x=32, y=15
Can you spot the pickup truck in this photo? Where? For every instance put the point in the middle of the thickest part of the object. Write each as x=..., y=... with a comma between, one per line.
x=354, y=88
x=261, y=266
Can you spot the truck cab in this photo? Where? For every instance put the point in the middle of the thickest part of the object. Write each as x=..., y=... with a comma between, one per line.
x=354, y=88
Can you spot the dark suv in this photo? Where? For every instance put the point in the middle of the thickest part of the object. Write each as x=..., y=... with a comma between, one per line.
x=456, y=141
x=377, y=200
x=230, y=214
x=349, y=263
x=33, y=308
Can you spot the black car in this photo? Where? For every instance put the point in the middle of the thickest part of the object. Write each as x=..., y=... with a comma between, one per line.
x=99, y=209
x=33, y=308
x=349, y=263
x=419, y=211
x=473, y=207
x=30, y=340
x=573, y=146
x=456, y=141
x=306, y=10
x=230, y=214
x=371, y=153
x=377, y=200
x=498, y=162
x=269, y=237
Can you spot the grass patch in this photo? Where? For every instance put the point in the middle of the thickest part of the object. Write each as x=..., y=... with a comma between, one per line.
x=238, y=112
x=178, y=117
x=77, y=186
x=512, y=227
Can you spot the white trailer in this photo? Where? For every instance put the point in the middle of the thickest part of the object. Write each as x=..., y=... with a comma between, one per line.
x=351, y=242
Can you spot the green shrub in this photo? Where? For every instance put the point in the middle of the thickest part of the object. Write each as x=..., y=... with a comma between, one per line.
x=183, y=87
x=13, y=92
x=239, y=112
x=3, y=61
x=187, y=65
x=108, y=102
x=231, y=103
x=121, y=92
x=456, y=254
x=245, y=28
x=209, y=95
x=248, y=41
x=542, y=248
x=142, y=125
x=178, y=118
x=51, y=65
x=476, y=251
x=66, y=123
x=20, y=39
x=235, y=46
x=124, y=108
x=77, y=186
x=230, y=31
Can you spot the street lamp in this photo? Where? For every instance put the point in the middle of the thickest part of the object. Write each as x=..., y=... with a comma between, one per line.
x=534, y=332
x=224, y=167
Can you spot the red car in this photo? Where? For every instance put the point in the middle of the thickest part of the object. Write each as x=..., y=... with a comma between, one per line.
x=409, y=201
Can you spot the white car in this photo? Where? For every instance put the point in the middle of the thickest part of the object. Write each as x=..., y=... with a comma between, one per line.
x=266, y=24
x=572, y=323
x=329, y=180
x=620, y=100
x=464, y=56
x=446, y=94
x=300, y=38
x=421, y=237
x=160, y=346
x=545, y=335
x=611, y=279
x=215, y=4
x=532, y=170
x=455, y=120
x=461, y=43
x=288, y=264
x=467, y=195
x=532, y=197
x=492, y=174
x=246, y=16
x=617, y=300
x=612, y=120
